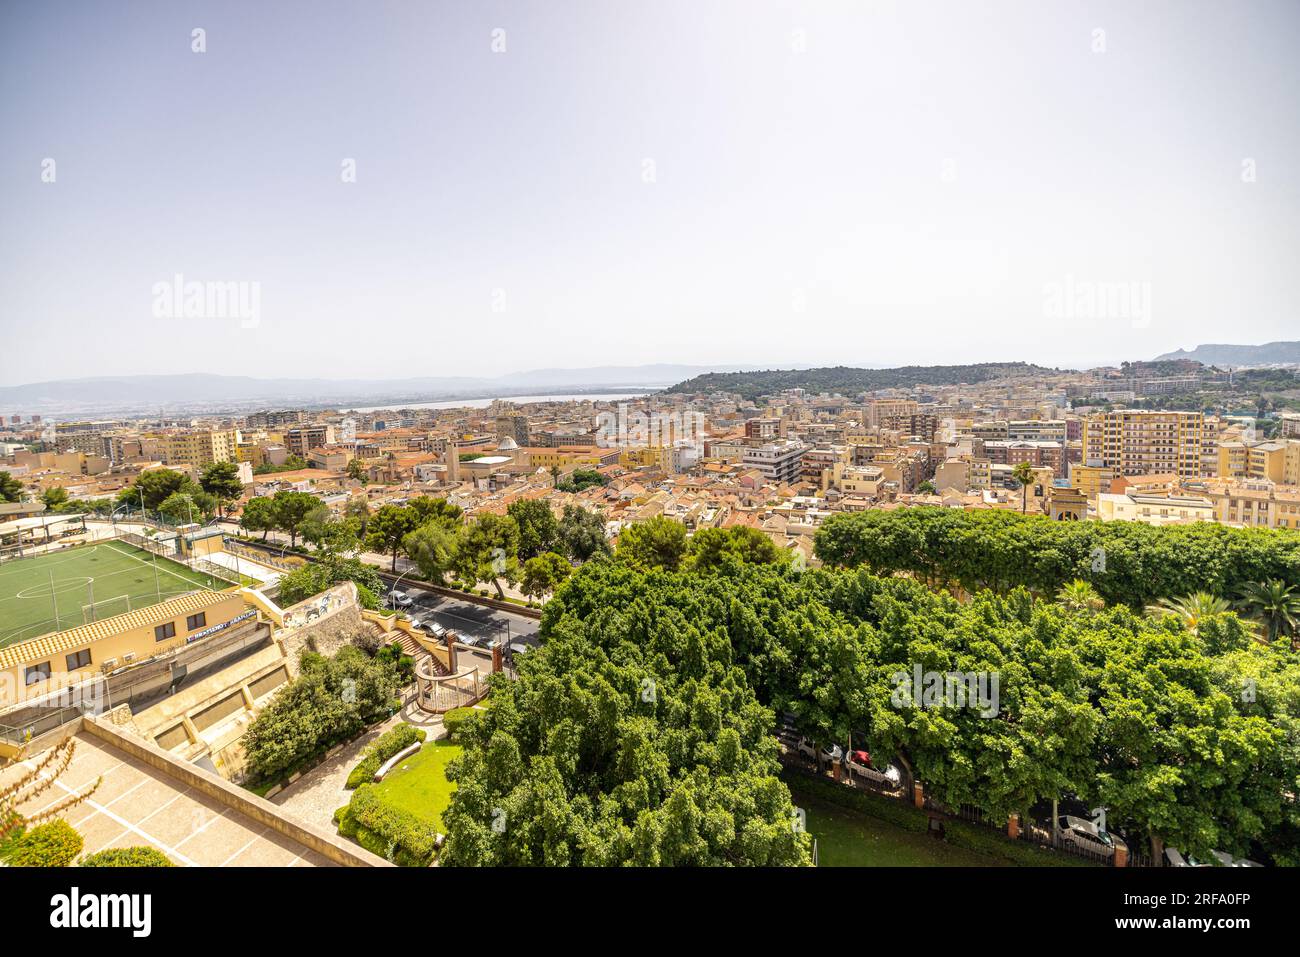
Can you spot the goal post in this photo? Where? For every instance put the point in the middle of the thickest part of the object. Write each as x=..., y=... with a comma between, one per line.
x=105, y=608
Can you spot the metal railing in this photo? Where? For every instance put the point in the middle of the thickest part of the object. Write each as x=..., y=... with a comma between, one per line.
x=23, y=733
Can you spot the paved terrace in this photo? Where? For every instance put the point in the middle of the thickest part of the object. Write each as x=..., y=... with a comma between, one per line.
x=138, y=804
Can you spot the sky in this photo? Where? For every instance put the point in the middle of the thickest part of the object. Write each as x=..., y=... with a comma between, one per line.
x=369, y=189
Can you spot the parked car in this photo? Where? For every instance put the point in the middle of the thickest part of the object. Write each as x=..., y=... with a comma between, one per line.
x=1175, y=858
x=860, y=766
x=399, y=599
x=1081, y=833
x=807, y=749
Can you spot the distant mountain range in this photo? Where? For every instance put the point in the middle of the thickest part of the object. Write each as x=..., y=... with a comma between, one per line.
x=1222, y=354
x=117, y=395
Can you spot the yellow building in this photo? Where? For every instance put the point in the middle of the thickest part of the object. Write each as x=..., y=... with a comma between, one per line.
x=650, y=456
x=1091, y=480
x=194, y=448
x=1275, y=461
x=38, y=667
x=1146, y=442
x=565, y=457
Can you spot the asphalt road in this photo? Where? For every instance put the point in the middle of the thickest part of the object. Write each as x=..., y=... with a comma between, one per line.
x=470, y=619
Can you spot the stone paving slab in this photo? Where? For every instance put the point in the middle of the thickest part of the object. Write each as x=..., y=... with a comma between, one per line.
x=137, y=805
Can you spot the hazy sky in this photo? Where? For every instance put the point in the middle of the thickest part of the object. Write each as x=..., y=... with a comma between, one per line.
x=701, y=181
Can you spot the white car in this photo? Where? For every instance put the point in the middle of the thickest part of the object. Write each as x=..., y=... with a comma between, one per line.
x=860, y=766
x=1176, y=858
x=1081, y=833
x=400, y=599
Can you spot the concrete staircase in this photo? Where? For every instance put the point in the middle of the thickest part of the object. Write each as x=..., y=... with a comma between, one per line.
x=409, y=645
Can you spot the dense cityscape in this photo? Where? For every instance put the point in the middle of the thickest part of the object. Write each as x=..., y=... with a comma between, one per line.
x=819, y=452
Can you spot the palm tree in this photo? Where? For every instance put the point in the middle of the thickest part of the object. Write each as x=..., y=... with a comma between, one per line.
x=1273, y=603
x=1079, y=595
x=1024, y=474
x=1190, y=609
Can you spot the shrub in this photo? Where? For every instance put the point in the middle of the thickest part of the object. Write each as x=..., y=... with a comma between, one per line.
x=454, y=718
x=55, y=844
x=331, y=700
x=403, y=663
x=128, y=857
x=387, y=830
x=389, y=743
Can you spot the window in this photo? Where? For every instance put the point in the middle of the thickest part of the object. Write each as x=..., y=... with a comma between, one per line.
x=163, y=632
x=37, y=673
x=196, y=621
x=79, y=659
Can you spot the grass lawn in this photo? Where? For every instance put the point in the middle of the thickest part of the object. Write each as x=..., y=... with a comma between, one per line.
x=49, y=592
x=848, y=838
x=419, y=784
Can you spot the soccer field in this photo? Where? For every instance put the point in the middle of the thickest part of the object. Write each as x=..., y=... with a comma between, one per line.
x=115, y=576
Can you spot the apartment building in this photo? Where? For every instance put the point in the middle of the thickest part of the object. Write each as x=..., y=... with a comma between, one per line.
x=1275, y=461
x=513, y=425
x=329, y=458
x=1037, y=430
x=763, y=429
x=665, y=457
x=1143, y=442
x=1252, y=503
x=302, y=439
x=860, y=480
x=879, y=410
x=279, y=418
x=199, y=448
x=817, y=462
x=1154, y=509
x=1038, y=454
x=780, y=462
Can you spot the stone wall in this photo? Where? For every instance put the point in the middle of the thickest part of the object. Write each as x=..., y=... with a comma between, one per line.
x=323, y=623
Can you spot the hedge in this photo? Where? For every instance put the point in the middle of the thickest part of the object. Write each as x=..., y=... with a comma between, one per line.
x=55, y=844
x=385, y=746
x=128, y=857
x=386, y=830
x=454, y=718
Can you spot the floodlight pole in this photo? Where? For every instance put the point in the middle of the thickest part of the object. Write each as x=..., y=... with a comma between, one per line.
x=157, y=587
x=54, y=601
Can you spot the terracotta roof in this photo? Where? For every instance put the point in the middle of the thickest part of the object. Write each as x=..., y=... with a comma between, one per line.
x=60, y=641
